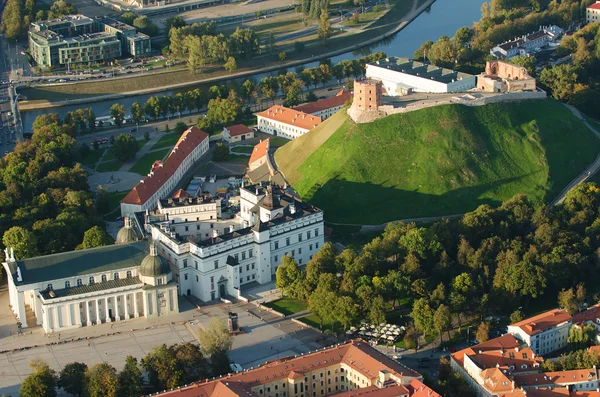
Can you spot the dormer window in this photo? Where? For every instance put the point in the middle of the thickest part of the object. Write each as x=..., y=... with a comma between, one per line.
x=67, y=284
x=103, y=278
x=49, y=286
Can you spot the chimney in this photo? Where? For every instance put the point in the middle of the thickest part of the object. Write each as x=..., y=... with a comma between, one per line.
x=292, y=208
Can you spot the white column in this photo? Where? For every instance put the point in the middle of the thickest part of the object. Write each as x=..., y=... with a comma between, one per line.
x=125, y=308
x=69, y=318
x=108, y=320
x=56, y=319
x=21, y=309
x=135, y=305
x=145, y=302
x=77, y=313
x=98, y=318
x=46, y=323
x=117, y=316
x=88, y=313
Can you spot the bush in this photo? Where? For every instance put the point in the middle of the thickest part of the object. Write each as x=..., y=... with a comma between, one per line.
x=221, y=152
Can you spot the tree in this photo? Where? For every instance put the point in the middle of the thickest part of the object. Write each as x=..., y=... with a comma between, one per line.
x=442, y=320
x=164, y=372
x=40, y=383
x=174, y=22
x=22, y=241
x=516, y=316
x=95, y=237
x=294, y=92
x=130, y=379
x=572, y=300
x=72, y=379
x=221, y=152
x=324, y=28
x=180, y=127
x=411, y=339
x=125, y=147
x=230, y=65
x=561, y=80
x=145, y=25
x=137, y=112
x=483, y=332
x=282, y=56
x=422, y=315
x=102, y=381
x=346, y=312
x=192, y=362
x=287, y=274
x=128, y=17
x=117, y=112
x=215, y=338
x=528, y=62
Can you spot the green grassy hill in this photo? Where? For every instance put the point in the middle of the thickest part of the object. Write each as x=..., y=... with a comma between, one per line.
x=437, y=161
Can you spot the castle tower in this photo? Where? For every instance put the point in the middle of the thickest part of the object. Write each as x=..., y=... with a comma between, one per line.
x=367, y=94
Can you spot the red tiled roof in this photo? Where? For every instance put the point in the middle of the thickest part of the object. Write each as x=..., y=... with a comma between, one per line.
x=238, y=129
x=556, y=378
x=418, y=389
x=338, y=100
x=356, y=354
x=374, y=391
x=260, y=150
x=590, y=314
x=144, y=190
x=181, y=193
x=291, y=117
x=595, y=6
x=536, y=324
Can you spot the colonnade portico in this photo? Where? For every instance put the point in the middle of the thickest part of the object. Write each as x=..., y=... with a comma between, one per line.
x=92, y=310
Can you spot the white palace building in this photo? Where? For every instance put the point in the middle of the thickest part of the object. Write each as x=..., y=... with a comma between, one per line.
x=197, y=247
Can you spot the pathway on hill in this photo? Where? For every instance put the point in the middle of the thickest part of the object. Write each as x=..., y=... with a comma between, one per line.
x=588, y=172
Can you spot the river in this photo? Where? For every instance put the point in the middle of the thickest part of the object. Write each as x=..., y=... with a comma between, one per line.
x=443, y=18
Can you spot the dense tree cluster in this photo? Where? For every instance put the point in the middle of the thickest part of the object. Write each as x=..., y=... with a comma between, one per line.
x=491, y=260
x=200, y=44
x=314, y=8
x=18, y=15
x=45, y=202
x=142, y=23
x=166, y=367
x=80, y=121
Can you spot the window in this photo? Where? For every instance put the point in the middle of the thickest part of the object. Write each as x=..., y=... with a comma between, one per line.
x=299, y=251
x=316, y=245
x=293, y=253
x=249, y=253
x=197, y=279
x=196, y=264
x=247, y=278
x=241, y=268
x=247, y=267
x=49, y=286
x=308, y=234
x=237, y=256
x=243, y=255
x=115, y=276
x=253, y=276
x=276, y=258
x=276, y=245
x=187, y=228
x=185, y=276
x=253, y=266
x=287, y=241
x=299, y=237
x=310, y=247
x=128, y=273
x=316, y=232
x=91, y=280
x=216, y=264
x=197, y=227
x=67, y=284
x=185, y=263
x=79, y=282
x=103, y=278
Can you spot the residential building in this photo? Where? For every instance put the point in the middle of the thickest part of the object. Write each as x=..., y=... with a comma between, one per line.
x=592, y=12
x=260, y=166
x=529, y=43
x=402, y=76
x=74, y=39
x=502, y=76
x=237, y=133
x=544, y=333
x=91, y=286
x=350, y=369
x=326, y=107
x=164, y=176
x=214, y=252
x=286, y=123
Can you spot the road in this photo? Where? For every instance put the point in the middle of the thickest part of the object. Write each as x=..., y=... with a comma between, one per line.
x=9, y=134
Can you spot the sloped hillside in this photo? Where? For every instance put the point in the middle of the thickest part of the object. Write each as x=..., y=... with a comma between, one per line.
x=437, y=161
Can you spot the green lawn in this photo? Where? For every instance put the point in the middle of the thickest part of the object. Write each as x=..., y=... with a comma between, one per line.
x=114, y=200
x=237, y=159
x=278, y=141
x=242, y=149
x=313, y=320
x=142, y=166
x=107, y=166
x=92, y=157
x=437, y=161
x=288, y=306
x=166, y=141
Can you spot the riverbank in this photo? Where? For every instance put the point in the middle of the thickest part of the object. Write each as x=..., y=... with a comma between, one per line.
x=383, y=28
